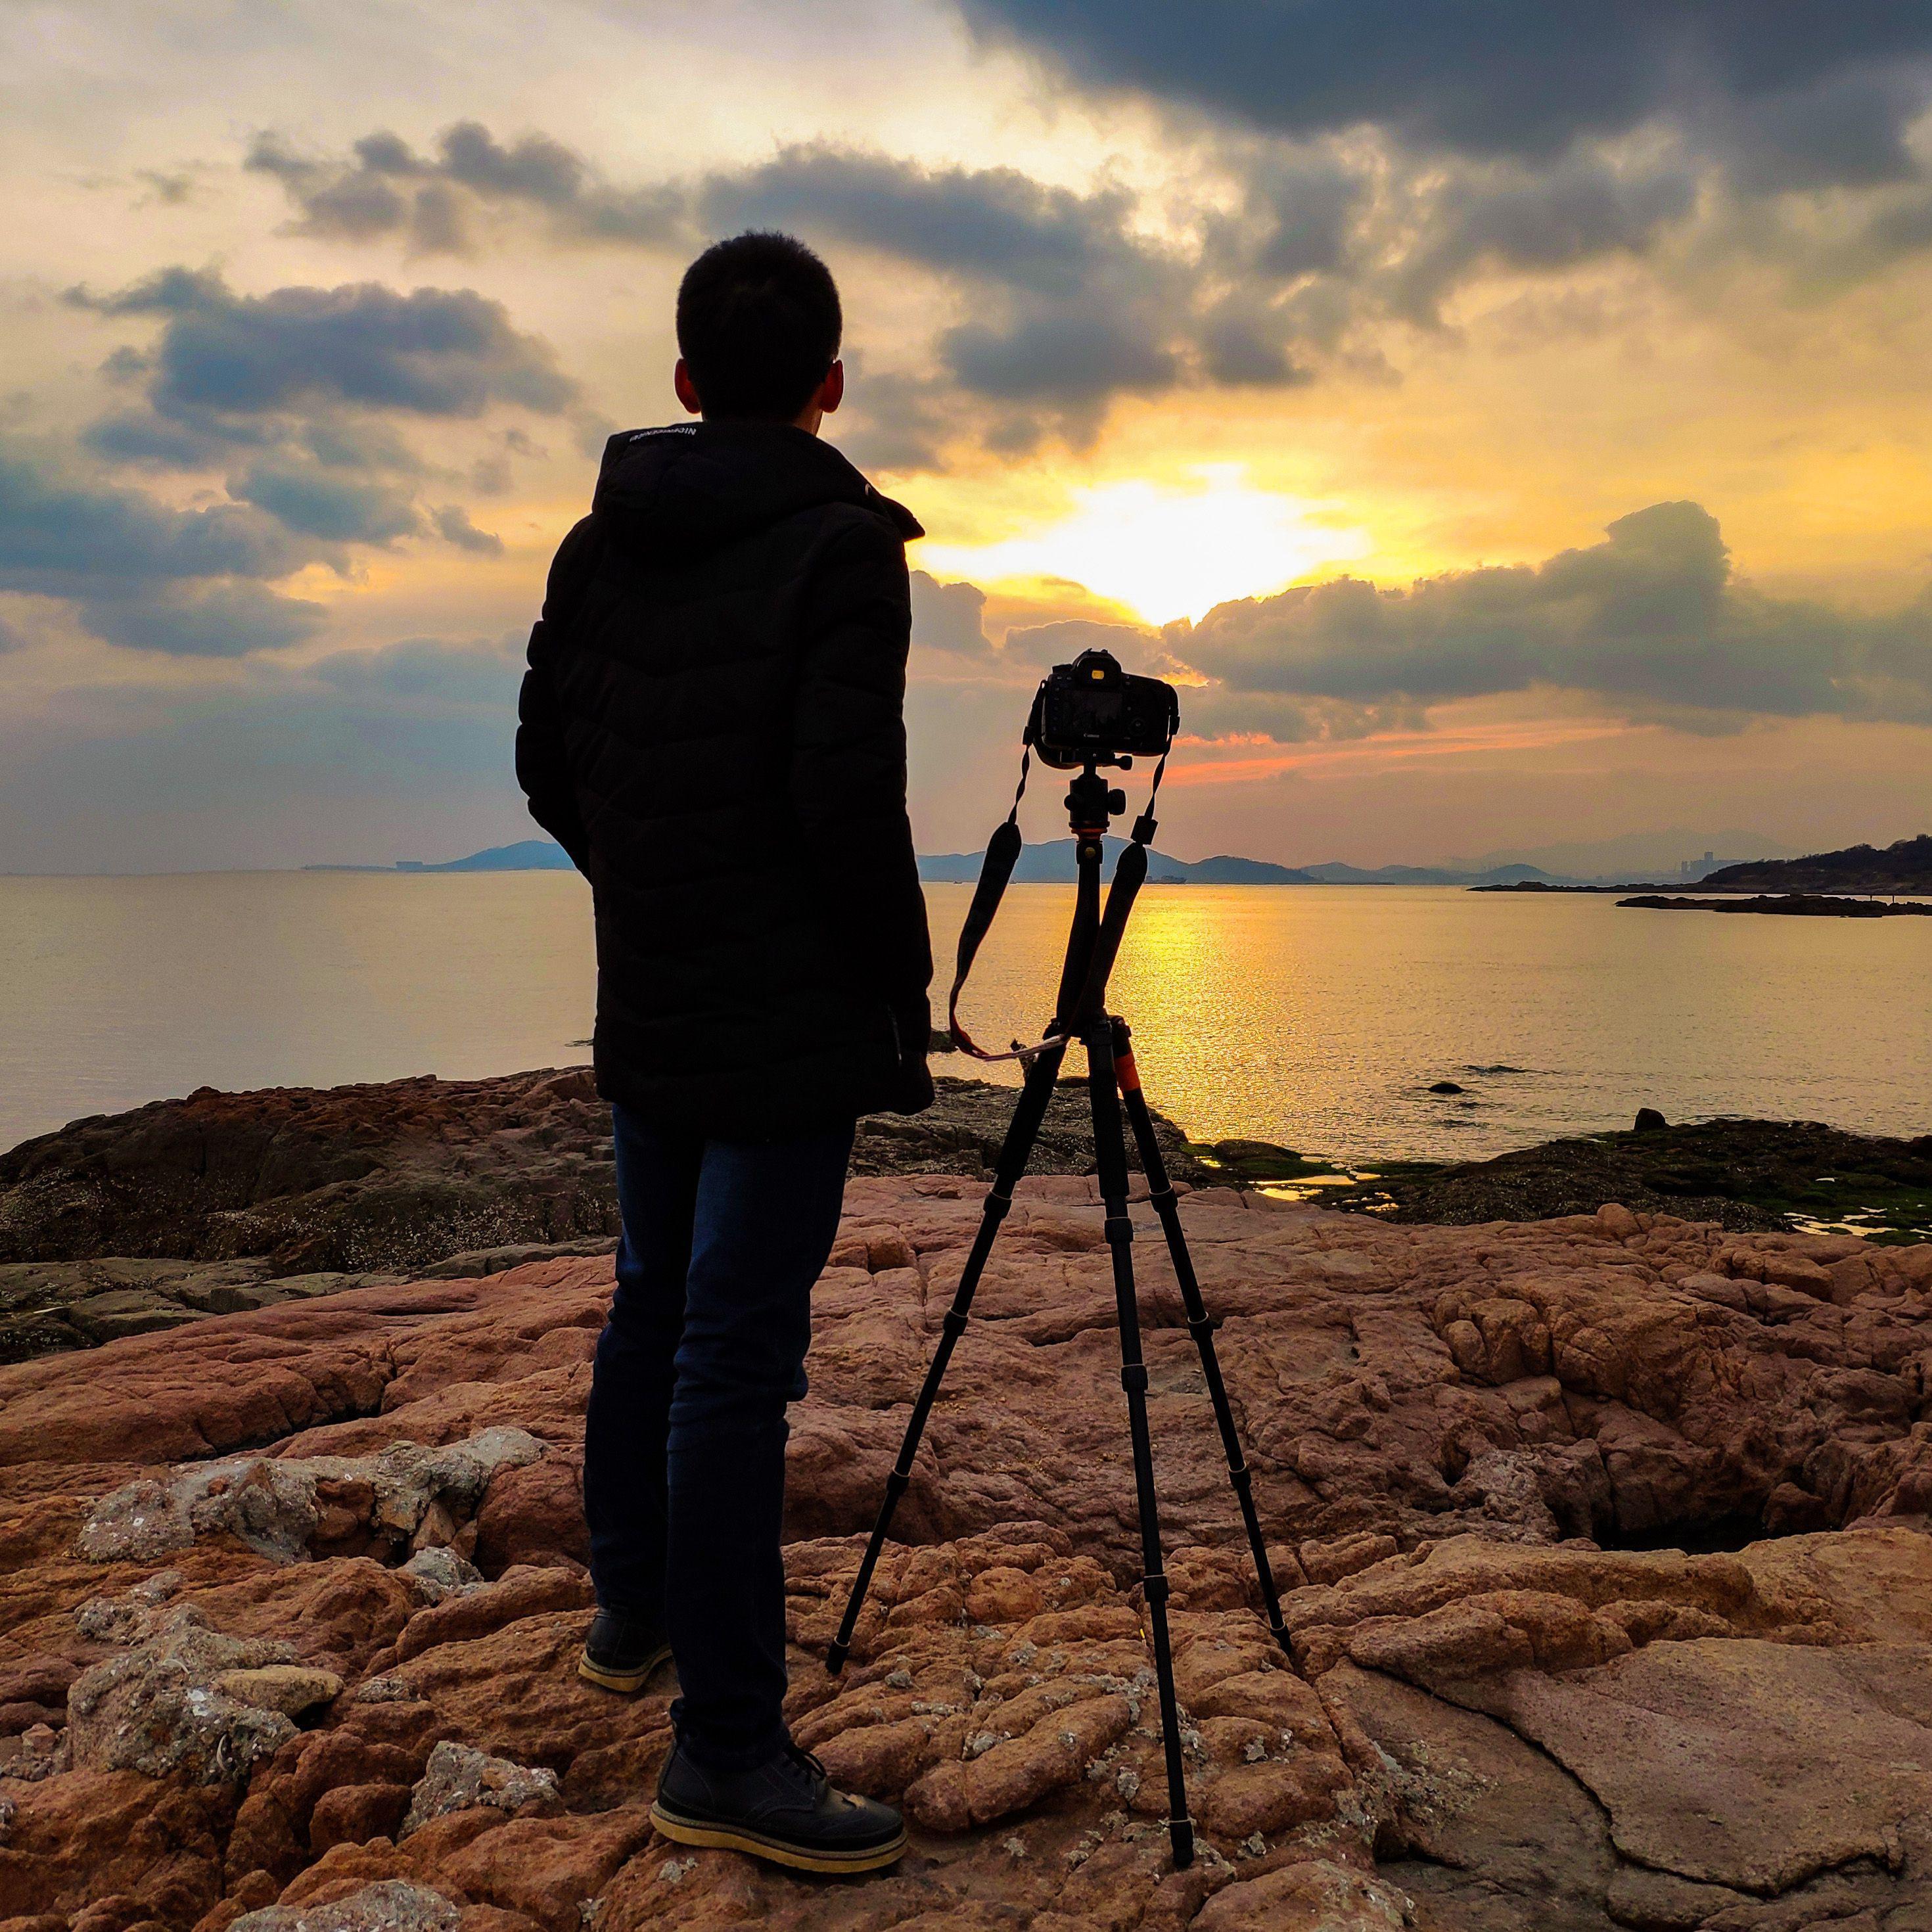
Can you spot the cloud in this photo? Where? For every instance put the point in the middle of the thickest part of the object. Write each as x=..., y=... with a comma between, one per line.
x=432, y=352
x=320, y=502
x=453, y=525
x=1651, y=620
x=1486, y=77
x=293, y=397
x=218, y=620
x=62, y=537
x=948, y=617
x=431, y=672
x=384, y=187
x=1288, y=244
x=1580, y=209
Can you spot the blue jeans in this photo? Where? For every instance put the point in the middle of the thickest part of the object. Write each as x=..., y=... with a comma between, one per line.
x=684, y=1444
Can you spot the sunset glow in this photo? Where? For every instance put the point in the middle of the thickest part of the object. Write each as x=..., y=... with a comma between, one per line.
x=1595, y=399
x=1164, y=553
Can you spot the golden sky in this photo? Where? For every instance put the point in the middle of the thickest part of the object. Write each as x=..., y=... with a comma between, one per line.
x=1514, y=435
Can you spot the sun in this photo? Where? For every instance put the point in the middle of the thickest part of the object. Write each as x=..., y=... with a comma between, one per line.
x=1166, y=552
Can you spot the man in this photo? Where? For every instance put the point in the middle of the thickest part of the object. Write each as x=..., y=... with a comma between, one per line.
x=712, y=728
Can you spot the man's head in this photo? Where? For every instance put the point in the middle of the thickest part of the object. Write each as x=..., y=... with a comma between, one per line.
x=758, y=325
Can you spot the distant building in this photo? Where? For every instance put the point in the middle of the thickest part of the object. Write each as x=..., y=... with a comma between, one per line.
x=1699, y=868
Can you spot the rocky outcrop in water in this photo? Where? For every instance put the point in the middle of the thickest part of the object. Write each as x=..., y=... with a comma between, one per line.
x=1801, y=905
x=1743, y=1174
x=1603, y=1540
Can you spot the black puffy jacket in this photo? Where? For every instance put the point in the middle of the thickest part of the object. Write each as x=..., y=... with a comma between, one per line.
x=712, y=727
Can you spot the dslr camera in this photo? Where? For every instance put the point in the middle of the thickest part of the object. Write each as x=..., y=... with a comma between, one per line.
x=1092, y=713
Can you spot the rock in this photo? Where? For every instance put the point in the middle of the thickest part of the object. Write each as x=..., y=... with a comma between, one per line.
x=1314, y=1893
x=1446, y=1087
x=962, y=1134
x=350, y=1178
x=160, y=1707
x=438, y=1573
x=289, y=1688
x=388, y=1689
x=127, y=1224
x=1493, y=1715
x=274, y=1504
x=459, y=1777
x=1749, y=1175
x=387, y=1905
x=118, y=1619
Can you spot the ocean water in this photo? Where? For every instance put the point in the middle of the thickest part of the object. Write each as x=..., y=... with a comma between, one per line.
x=1316, y=1016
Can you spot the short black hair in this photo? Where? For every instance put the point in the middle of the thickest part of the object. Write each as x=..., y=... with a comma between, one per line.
x=758, y=323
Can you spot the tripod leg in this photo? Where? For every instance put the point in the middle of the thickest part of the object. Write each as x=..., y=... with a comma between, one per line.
x=1111, y=1154
x=1015, y=1152
x=1200, y=1324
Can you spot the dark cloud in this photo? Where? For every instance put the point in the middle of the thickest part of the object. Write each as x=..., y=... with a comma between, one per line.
x=294, y=398
x=1484, y=77
x=1311, y=243
x=319, y=502
x=433, y=352
x=453, y=525
x=1067, y=359
x=948, y=617
x=384, y=187
x=208, y=620
x=1067, y=299
x=1652, y=620
x=994, y=225
x=64, y=538
x=1580, y=209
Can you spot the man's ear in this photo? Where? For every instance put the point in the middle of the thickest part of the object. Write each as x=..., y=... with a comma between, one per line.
x=687, y=390
x=831, y=390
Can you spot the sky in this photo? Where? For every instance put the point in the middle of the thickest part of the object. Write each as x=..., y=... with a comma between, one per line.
x=1507, y=423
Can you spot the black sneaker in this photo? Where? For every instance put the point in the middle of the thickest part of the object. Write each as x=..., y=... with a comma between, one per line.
x=620, y=1652
x=784, y=1810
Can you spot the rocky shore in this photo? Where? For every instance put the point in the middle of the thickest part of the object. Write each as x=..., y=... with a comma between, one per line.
x=123, y=1224
x=1604, y=1540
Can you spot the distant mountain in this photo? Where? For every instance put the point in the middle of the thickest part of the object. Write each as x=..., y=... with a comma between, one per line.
x=527, y=855
x=1674, y=852
x=1905, y=867
x=1052, y=863
x=1334, y=873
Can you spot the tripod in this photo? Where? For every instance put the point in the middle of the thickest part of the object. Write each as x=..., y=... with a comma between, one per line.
x=1113, y=1083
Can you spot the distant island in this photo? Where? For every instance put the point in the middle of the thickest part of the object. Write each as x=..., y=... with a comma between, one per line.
x=1051, y=862
x=1904, y=867
x=1805, y=905
x=526, y=855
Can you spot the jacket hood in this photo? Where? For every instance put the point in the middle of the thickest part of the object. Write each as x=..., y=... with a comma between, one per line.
x=695, y=484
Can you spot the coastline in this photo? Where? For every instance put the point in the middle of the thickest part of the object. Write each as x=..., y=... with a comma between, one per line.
x=125, y=1224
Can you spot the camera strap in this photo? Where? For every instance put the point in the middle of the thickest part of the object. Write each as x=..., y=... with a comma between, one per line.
x=996, y=872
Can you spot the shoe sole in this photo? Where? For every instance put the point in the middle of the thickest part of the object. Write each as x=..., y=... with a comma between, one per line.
x=626, y=1683
x=776, y=1851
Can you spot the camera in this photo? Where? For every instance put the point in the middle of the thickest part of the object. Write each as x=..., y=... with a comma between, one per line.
x=1092, y=713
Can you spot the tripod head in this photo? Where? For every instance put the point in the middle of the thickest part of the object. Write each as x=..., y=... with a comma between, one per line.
x=1092, y=804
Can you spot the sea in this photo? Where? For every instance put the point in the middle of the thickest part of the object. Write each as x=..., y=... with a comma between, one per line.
x=1321, y=1018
